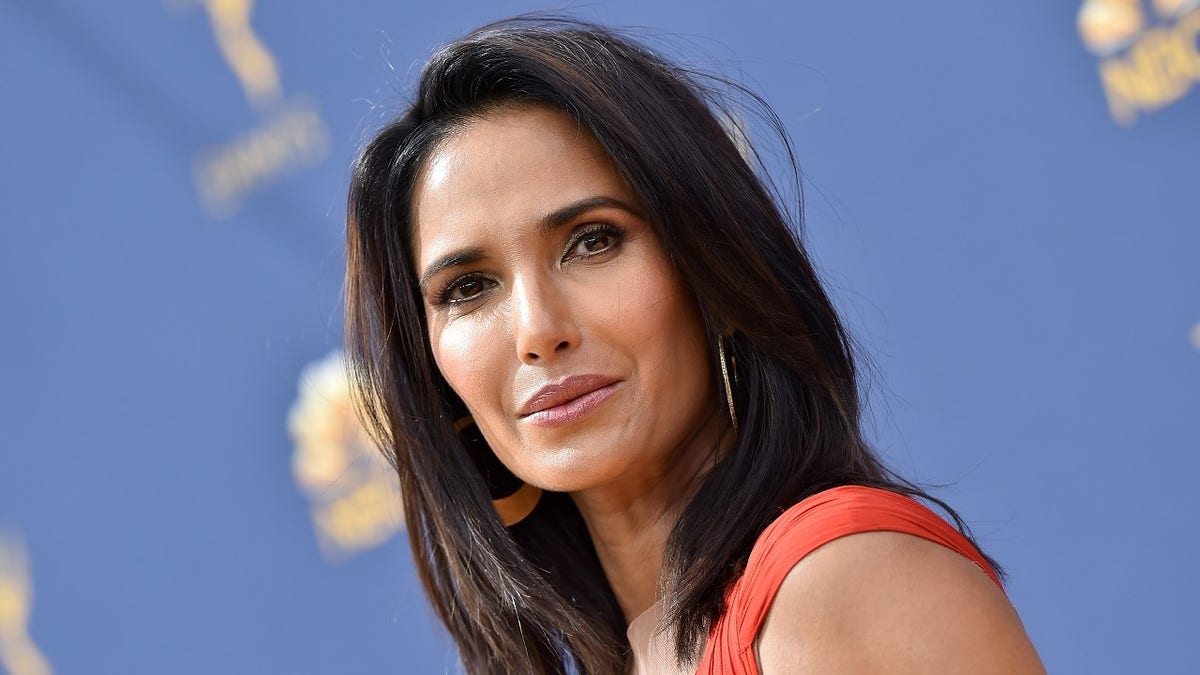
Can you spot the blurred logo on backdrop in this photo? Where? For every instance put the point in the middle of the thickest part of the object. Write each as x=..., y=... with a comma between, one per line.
x=290, y=132
x=1148, y=51
x=18, y=654
x=354, y=496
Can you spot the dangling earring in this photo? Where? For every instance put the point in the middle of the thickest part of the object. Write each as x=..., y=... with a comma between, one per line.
x=725, y=369
x=518, y=504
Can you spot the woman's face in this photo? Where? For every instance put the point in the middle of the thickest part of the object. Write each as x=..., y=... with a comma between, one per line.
x=553, y=311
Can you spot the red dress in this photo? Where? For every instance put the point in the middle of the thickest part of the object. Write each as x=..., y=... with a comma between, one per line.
x=803, y=528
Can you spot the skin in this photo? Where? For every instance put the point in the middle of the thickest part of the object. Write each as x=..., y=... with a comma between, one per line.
x=596, y=294
x=887, y=602
x=536, y=306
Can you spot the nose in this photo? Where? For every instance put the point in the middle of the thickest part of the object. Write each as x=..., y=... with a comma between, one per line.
x=544, y=324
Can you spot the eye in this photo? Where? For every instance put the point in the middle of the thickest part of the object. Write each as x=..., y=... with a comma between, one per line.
x=464, y=289
x=594, y=240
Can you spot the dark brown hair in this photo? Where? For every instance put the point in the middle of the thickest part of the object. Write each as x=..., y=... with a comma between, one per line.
x=533, y=598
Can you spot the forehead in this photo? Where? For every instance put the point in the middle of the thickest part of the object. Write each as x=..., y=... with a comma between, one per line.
x=499, y=174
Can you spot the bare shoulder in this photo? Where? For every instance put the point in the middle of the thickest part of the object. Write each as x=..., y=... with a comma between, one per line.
x=886, y=602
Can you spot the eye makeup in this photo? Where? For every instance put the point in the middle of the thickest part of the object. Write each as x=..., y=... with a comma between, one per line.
x=581, y=246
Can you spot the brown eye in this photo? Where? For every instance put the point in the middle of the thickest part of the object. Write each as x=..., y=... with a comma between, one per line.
x=464, y=289
x=594, y=241
x=467, y=289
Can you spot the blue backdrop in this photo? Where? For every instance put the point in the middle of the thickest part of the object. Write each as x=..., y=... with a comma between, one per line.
x=1002, y=196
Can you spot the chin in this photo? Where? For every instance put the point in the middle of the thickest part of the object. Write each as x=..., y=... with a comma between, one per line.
x=576, y=467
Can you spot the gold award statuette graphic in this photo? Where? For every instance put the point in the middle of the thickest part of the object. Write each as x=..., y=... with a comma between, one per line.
x=354, y=495
x=18, y=654
x=290, y=134
x=1149, y=56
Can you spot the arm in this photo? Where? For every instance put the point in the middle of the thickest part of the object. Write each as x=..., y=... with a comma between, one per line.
x=886, y=602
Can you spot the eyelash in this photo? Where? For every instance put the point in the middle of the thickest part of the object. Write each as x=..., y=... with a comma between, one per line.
x=617, y=234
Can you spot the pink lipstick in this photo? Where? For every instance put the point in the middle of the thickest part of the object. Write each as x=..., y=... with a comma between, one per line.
x=567, y=401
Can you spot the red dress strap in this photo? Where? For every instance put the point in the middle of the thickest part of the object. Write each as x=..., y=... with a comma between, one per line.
x=802, y=529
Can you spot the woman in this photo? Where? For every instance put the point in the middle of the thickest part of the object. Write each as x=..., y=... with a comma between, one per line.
x=622, y=408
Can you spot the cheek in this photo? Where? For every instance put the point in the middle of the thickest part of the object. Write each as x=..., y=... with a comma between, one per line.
x=662, y=313
x=465, y=354
x=667, y=324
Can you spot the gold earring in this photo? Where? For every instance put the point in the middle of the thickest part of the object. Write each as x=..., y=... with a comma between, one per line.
x=728, y=388
x=515, y=507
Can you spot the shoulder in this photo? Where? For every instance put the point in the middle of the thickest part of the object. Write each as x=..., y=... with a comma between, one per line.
x=885, y=601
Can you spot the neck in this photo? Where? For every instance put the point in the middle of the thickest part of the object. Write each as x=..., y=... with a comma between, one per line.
x=629, y=521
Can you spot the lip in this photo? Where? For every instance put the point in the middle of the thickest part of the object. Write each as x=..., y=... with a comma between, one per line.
x=566, y=401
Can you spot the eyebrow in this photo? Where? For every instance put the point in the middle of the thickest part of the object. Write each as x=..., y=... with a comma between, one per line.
x=550, y=222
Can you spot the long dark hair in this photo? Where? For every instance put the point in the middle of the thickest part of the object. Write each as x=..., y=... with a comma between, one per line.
x=533, y=598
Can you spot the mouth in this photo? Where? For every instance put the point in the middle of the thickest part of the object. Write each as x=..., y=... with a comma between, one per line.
x=565, y=402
